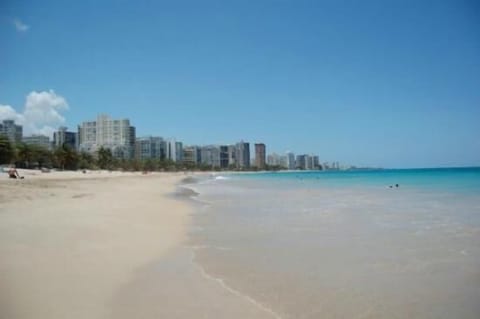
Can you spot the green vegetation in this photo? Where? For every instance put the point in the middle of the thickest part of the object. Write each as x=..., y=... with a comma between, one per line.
x=105, y=158
x=7, y=152
x=65, y=158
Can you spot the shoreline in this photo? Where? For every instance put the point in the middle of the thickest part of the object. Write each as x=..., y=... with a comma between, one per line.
x=104, y=245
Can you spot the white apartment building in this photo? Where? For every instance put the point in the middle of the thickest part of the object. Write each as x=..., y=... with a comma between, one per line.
x=116, y=135
x=174, y=150
x=290, y=162
x=273, y=159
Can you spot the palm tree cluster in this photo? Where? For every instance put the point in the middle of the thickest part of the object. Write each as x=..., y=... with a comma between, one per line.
x=35, y=156
x=65, y=158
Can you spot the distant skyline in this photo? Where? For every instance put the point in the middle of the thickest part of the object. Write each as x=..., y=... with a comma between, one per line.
x=369, y=83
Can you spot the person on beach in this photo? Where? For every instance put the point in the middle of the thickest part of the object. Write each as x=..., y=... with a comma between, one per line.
x=13, y=173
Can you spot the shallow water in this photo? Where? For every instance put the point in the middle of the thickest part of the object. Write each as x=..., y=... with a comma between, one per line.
x=303, y=247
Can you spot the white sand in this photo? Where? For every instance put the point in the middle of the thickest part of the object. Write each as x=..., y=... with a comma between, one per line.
x=103, y=245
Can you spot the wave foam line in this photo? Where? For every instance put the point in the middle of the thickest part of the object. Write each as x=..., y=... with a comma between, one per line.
x=237, y=293
x=197, y=247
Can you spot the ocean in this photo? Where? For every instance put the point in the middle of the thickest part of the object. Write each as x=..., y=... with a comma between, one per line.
x=344, y=244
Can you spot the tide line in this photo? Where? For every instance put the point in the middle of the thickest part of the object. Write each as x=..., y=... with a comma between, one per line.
x=237, y=293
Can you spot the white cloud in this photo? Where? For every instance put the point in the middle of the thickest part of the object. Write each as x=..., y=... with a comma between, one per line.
x=20, y=26
x=41, y=113
x=8, y=113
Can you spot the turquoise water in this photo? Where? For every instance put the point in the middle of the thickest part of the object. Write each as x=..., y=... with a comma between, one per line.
x=345, y=244
x=465, y=179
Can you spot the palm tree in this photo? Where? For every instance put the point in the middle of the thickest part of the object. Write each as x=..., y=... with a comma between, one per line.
x=7, y=153
x=105, y=158
x=86, y=160
x=42, y=156
x=149, y=165
x=24, y=155
x=66, y=157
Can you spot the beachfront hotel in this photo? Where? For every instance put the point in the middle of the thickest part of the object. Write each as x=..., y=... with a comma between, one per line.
x=242, y=155
x=210, y=155
x=62, y=137
x=150, y=147
x=231, y=153
x=116, y=135
x=290, y=161
x=174, y=150
x=191, y=155
x=275, y=159
x=307, y=162
x=260, y=155
x=219, y=156
x=215, y=156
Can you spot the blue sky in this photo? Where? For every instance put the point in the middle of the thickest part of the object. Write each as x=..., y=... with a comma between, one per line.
x=379, y=83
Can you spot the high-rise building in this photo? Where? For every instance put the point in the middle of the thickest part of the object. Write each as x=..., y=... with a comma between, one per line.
x=116, y=135
x=316, y=162
x=38, y=140
x=224, y=156
x=232, y=153
x=179, y=151
x=64, y=138
x=260, y=155
x=174, y=150
x=12, y=131
x=132, y=140
x=192, y=155
x=282, y=161
x=151, y=147
x=210, y=155
x=170, y=153
x=290, y=161
x=87, y=137
x=273, y=159
x=242, y=155
x=308, y=162
x=301, y=162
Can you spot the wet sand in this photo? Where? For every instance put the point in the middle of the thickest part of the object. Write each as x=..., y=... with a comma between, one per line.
x=104, y=245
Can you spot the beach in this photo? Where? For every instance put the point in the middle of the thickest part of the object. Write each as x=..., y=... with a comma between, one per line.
x=104, y=245
x=175, y=245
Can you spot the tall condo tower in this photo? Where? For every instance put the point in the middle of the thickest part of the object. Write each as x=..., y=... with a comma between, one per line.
x=260, y=155
x=242, y=156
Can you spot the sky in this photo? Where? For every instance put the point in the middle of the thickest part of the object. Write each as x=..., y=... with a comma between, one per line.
x=369, y=83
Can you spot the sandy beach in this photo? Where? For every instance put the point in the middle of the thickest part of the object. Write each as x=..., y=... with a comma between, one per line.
x=104, y=245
